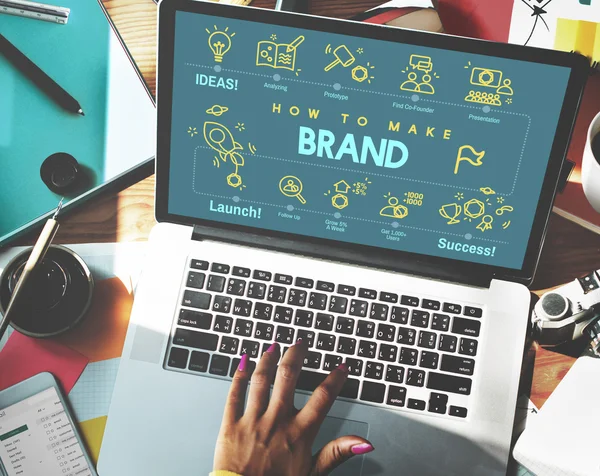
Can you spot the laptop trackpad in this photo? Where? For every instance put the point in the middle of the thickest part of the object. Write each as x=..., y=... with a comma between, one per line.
x=333, y=428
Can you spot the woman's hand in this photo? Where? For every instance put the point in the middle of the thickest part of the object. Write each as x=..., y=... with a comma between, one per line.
x=271, y=437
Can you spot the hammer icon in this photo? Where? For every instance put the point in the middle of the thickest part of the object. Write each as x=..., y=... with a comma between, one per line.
x=342, y=56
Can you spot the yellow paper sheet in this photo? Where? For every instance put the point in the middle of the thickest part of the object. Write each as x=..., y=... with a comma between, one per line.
x=92, y=432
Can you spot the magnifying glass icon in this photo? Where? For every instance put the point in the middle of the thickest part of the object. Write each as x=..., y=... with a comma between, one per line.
x=291, y=187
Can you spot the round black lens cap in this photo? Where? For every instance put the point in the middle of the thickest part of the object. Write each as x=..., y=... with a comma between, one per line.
x=60, y=172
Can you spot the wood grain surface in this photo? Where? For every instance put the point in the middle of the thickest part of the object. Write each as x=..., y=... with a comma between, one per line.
x=570, y=250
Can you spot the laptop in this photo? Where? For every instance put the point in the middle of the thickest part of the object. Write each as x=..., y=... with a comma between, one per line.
x=381, y=193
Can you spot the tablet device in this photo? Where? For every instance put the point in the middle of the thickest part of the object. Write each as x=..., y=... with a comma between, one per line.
x=37, y=432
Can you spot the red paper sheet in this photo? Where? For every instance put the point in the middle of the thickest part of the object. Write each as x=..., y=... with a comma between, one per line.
x=23, y=357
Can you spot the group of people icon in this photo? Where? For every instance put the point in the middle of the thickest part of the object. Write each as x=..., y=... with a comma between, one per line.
x=412, y=85
x=483, y=97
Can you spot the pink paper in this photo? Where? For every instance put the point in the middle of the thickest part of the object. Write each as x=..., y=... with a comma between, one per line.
x=23, y=357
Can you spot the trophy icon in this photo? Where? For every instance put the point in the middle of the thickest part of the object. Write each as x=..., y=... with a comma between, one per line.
x=450, y=211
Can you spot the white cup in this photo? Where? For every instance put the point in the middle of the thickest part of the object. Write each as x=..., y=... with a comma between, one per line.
x=590, y=168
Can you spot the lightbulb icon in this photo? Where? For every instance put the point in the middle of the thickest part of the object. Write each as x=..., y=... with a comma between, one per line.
x=219, y=43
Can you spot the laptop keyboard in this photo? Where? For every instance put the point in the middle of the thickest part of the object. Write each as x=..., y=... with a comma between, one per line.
x=405, y=352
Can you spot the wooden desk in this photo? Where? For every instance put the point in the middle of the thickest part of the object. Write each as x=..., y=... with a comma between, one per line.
x=570, y=250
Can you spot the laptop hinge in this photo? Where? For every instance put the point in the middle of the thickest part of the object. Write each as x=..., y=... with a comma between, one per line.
x=382, y=261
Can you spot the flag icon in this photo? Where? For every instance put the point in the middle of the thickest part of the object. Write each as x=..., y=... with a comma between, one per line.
x=467, y=153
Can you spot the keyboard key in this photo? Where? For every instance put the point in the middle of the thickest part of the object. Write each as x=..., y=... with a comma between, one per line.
x=415, y=404
x=243, y=328
x=276, y=294
x=394, y=374
x=235, y=364
x=440, y=322
x=415, y=377
x=427, y=340
x=242, y=307
x=467, y=327
x=250, y=347
x=215, y=283
x=324, y=322
x=346, y=345
x=452, y=308
x=304, y=318
x=344, y=325
x=449, y=383
x=365, y=329
x=447, y=343
x=220, y=268
x=283, y=314
x=196, y=299
x=312, y=360
x=373, y=392
x=388, y=297
x=199, y=264
x=430, y=304
x=178, y=358
x=223, y=324
x=222, y=304
x=331, y=362
x=199, y=361
x=307, y=336
x=386, y=332
x=325, y=286
x=198, y=340
x=199, y=320
x=457, y=411
x=379, y=311
x=367, y=293
x=388, y=352
x=358, y=308
x=419, y=318
x=297, y=297
x=309, y=380
x=257, y=290
x=408, y=356
x=467, y=347
x=355, y=366
x=338, y=304
x=367, y=349
x=399, y=315
x=262, y=275
x=229, y=345
x=265, y=347
x=236, y=286
x=326, y=342
x=219, y=364
x=396, y=396
x=241, y=272
x=347, y=290
x=195, y=280
x=409, y=301
x=429, y=360
x=283, y=279
x=285, y=335
x=264, y=331
x=472, y=311
x=318, y=301
x=406, y=336
x=304, y=283
x=374, y=370
x=457, y=365
x=263, y=311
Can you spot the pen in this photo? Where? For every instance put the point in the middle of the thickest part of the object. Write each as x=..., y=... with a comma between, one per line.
x=297, y=42
x=38, y=77
x=37, y=255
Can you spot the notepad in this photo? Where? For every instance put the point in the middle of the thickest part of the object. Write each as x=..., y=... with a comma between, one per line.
x=116, y=136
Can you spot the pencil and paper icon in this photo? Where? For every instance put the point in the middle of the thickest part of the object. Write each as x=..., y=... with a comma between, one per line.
x=278, y=55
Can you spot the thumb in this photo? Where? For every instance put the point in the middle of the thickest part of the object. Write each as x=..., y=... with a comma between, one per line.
x=337, y=451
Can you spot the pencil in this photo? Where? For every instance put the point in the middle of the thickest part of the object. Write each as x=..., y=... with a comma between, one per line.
x=294, y=44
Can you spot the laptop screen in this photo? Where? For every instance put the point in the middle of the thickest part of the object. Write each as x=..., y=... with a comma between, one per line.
x=390, y=145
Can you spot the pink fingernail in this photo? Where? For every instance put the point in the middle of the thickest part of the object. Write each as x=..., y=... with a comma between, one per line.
x=273, y=347
x=243, y=362
x=343, y=367
x=362, y=449
x=299, y=341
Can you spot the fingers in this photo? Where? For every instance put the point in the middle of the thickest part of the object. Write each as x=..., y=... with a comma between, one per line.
x=288, y=371
x=337, y=451
x=234, y=407
x=319, y=404
x=260, y=384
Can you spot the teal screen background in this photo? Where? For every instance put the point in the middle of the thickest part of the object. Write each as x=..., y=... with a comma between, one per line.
x=245, y=147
